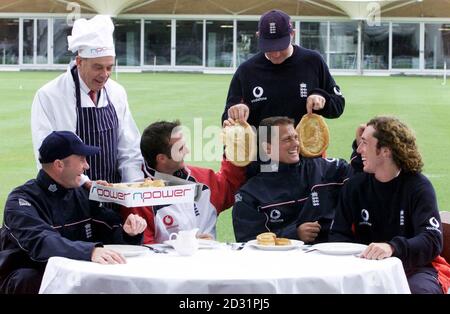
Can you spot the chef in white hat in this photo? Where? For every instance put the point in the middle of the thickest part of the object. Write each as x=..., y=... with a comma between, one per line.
x=85, y=100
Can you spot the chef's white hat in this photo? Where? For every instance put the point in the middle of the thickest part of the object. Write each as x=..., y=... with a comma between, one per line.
x=92, y=38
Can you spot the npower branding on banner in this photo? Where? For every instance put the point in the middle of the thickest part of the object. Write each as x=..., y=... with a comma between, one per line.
x=145, y=196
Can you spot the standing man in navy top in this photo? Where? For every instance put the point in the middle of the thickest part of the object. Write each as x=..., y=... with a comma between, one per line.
x=392, y=207
x=52, y=216
x=86, y=101
x=283, y=79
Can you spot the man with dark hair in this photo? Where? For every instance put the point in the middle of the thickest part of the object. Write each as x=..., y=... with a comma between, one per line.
x=283, y=79
x=392, y=207
x=296, y=199
x=52, y=216
x=155, y=141
x=164, y=148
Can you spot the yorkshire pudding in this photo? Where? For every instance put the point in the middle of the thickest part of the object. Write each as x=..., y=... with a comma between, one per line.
x=266, y=238
x=240, y=144
x=270, y=238
x=282, y=241
x=313, y=135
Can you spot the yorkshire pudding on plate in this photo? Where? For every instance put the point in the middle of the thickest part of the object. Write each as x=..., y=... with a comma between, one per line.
x=266, y=238
x=270, y=238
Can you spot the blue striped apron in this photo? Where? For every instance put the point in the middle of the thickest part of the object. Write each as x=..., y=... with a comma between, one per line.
x=98, y=127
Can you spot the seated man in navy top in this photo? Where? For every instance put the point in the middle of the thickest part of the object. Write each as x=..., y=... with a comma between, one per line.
x=392, y=207
x=295, y=197
x=52, y=216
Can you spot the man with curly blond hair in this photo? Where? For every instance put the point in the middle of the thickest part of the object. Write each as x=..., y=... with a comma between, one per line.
x=392, y=207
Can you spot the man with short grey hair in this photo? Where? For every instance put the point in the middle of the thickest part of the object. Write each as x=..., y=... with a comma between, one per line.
x=86, y=101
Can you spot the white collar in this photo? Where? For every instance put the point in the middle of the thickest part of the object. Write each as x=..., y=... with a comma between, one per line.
x=83, y=85
x=147, y=170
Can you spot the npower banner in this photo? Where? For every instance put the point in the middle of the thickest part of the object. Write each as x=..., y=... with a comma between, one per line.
x=145, y=196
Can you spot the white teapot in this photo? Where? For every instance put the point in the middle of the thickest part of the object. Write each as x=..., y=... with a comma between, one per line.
x=185, y=242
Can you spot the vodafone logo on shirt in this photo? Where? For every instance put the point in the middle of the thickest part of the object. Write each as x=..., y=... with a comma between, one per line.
x=258, y=91
x=167, y=220
x=434, y=223
x=365, y=218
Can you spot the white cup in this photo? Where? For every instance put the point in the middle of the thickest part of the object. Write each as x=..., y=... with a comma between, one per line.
x=185, y=242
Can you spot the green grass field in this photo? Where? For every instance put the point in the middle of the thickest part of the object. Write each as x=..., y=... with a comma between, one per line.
x=423, y=103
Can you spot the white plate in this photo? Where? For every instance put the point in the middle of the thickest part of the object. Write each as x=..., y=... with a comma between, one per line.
x=127, y=250
x=294, y=244
x=202, y=243
x=339, y=248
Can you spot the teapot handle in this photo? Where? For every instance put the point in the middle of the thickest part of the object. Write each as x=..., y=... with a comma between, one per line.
x=173, y=236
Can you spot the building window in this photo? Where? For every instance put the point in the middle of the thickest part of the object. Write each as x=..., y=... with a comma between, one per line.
x=313, y=35
x=405, y=46
x=157, y=42
x=35, y=50
x=189, y=45
x=127, y=39
x=375, y=46
x=9, y=41
x=343, y=45
x=28, y=31
x=61, y=54
x=247, y=42
x=437, y=46
x=42, y=41
x=219, y=43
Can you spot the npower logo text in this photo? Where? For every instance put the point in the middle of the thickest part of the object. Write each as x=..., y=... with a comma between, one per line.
x=143, y=196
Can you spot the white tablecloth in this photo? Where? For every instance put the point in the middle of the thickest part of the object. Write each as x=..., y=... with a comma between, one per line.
x=227, y=271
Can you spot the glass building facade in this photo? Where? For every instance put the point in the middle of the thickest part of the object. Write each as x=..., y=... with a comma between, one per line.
x=202, y=44
x=375, y=46
x=405, y=45
x=314, y=35
x=189, y=43
x=9, y=41
x=157, y=39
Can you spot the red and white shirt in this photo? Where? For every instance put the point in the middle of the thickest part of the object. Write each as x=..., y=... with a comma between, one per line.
x=218, y=190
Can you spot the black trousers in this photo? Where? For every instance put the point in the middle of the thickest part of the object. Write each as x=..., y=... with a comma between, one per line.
x=22, y=281
x=424, y=281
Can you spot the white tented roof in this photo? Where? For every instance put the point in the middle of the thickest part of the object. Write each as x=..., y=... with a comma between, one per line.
x=361, y=9
x=355, y=9
x=111, y=7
